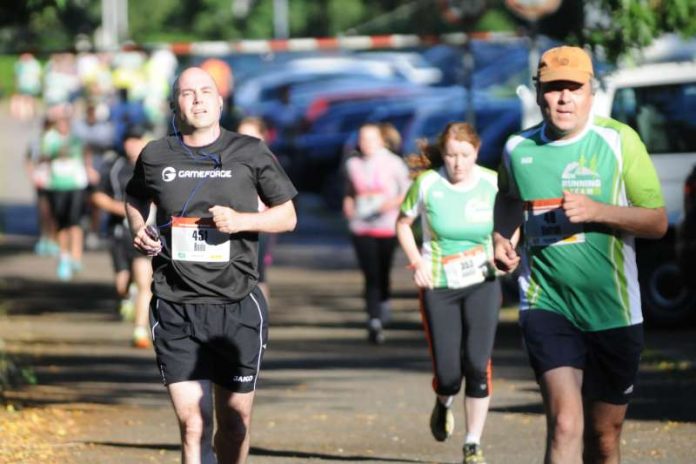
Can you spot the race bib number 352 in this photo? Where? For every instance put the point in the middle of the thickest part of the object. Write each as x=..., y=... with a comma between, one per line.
x=466, y=268
x=197, y=239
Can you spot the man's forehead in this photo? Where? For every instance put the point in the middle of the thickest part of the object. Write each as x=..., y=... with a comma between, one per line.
x=195, y=78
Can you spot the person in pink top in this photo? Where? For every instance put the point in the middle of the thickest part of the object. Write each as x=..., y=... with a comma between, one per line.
x=377, y=181
x=256, y=127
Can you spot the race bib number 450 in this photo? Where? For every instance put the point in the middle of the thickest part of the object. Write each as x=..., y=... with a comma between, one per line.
x=546, y=224
x=197, y=239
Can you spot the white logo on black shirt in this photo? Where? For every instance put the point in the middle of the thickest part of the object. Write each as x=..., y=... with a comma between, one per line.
x=168, y=174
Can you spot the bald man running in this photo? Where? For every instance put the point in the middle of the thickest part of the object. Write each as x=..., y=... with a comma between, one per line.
x=208, y=318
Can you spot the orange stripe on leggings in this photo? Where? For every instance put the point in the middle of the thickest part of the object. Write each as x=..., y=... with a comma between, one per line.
x=489, y=376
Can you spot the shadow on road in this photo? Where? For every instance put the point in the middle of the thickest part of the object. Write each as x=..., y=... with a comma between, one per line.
x=23, y=296
x=264, y=452
x=104, y=370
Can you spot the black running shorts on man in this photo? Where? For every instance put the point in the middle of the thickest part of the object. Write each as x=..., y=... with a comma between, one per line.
x=608, y=358
x=223, y=343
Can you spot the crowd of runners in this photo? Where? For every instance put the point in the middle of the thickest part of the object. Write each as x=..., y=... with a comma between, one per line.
x=571, y=195
x=96, y=111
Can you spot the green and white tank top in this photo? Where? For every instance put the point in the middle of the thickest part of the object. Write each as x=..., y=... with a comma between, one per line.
x=457, y=224
x=586, y=272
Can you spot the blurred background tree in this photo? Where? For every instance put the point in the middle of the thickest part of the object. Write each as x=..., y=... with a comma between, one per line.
x=615, y=25
x=618, y=26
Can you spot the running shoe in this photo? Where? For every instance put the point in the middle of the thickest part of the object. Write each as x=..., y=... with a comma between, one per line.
x=92, y=241
x=127, y=310
x=441, y=421
x=52, y=248
x=141, y=338
x=385, y=312
x=473, y=454
x=40, y=248
x=64, y=270
x=375, y=332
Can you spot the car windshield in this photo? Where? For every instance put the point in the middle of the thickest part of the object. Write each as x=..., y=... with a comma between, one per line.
x=664, y=115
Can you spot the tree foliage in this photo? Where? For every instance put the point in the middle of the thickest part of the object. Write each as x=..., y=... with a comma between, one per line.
x=624, y=25
x=46, y=24
x=615, y=25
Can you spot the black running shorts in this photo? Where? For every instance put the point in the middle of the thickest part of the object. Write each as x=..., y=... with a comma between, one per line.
x=223, y=343
x=609, y=358
x=66, y=207
x=123, y=253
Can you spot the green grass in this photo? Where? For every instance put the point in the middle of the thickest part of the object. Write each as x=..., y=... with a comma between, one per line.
x=7, y=75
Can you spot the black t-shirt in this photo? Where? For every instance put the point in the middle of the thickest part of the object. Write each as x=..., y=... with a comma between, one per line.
x=112, y=182
x=186, y=182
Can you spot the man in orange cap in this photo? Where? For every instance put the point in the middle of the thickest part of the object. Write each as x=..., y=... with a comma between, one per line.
x=581, y=188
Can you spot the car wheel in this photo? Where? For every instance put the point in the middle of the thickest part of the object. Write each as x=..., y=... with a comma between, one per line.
x=667, y=298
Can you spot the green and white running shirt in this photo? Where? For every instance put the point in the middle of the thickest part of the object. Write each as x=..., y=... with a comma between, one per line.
x=457, y=225
x=67, y=163
x=586, y=272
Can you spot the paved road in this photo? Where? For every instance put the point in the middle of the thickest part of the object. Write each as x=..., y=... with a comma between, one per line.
x=325, y=394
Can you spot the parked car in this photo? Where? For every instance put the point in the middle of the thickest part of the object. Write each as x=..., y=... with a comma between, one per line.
x=276, y=83
x=686, y=235
x=318, y=151
x=659, y=101
x=495, y=120
x=410, y=65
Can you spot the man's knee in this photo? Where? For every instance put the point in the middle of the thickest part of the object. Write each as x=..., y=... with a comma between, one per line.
x=233, y=427
x=232, y=432
x=234, y=414
x=567, y=428
x=604, y=439
x=195, y=427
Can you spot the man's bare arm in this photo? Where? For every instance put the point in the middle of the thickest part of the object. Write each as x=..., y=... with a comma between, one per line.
x=137, y=211
x=641, y=222
x=280, y=218
x=507, y=218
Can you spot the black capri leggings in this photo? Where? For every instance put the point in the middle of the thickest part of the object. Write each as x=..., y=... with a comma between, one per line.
x=460, y=326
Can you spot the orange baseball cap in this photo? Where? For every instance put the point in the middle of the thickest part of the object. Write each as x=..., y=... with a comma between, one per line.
x=565, y=64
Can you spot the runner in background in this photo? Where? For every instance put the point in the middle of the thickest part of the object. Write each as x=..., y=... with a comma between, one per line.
x=377, y=181
x=39, y=171
x=97, y=135
x=256, y=127
x=68, y=179
x=24, y=104
x=132, y=270
x=392, y=138
x=454, y=270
